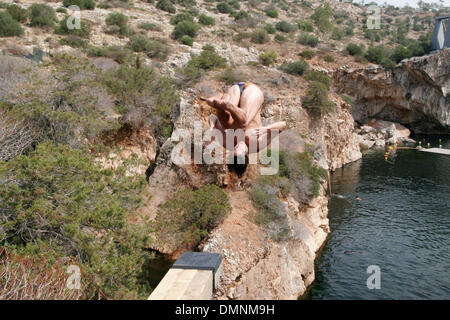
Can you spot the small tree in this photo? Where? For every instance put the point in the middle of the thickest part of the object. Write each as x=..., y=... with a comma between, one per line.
x=8, y=26
x=268, y=58
x=42, y=15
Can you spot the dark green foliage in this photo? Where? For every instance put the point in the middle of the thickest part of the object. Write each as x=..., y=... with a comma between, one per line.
x=270, y=28
x=337, y=34
x=144, y=98
x=74, y=42
x=240, y=15
x=166, y=5
x=117, y=53
x=150, y=26
x=328, y=58
x=119, y=21
x=284, y=26
x=153, y=48
x=354, y=49
x=307, y=54
x=321, y=17
x=232, y=75
x=308, y=39
x=18, y=13
x=259, y=36
x=401, y=53
x=188, y=217
x=8, y=26
x=82, y=4
x=280, y=38
x=185, y=28
x=376, y=55
x=83, y=32
x=42, y=15
x=319, y=77
x=206, y=20
x=267, y=58
x=273, y=13
x=297, y=68
x=224, y=7
x=57, y=202
x=187, y=40
x=305, y=25
x=181, y=17
x=316, y=99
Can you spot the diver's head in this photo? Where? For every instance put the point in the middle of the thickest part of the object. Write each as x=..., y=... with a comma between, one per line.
x=240, y=157
x=241, y=150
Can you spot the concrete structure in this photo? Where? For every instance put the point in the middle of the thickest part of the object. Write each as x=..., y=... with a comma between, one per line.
x=193, y=276
x=436, y=150
x=441, y=33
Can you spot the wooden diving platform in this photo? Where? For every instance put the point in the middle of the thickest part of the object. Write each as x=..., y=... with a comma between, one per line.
x=436, y=150
x=193, y=276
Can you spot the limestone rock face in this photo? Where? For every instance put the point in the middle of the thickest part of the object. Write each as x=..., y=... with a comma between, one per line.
x=255, y=266
x=415, y=93
x=378, y=133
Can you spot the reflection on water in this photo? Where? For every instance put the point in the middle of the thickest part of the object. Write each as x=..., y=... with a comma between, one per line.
x=401, y=224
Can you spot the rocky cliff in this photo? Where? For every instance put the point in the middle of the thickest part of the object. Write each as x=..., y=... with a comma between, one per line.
x=415, y=93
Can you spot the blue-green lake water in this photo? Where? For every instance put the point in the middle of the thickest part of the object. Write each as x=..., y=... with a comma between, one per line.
x=401, y=224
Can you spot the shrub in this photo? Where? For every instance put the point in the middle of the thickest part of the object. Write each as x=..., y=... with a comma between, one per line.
x=82, y=32
x=328, y=58
x=188, y=217
x=42, y=15
x=401, y=53
x=206, y=20
x=316, y=99
x=259, y=36
x=57, y=202
x=273, y=13
x=149, y=26
x=16, y=136
x=337, y=34
x=376, y=54
x=117, y=53
x=280, y=38
x=319, y=77
x=270, y=28
x=18, y=13
x=297, y=68
x=240, y=15
x=185, y=28
x=224, y=7
x=120, y=21
x=166, y=5
x=284, y=26
x=321, y=17
x=8, y=26
x=82, y=4
x=354, y=49
x=153, y=48
x=181, y=17
x=187, y=40
x=305, y=25
x=307, y=54
x=308, y=39
x=231, y=76
x=74, y=42
x=268, y=58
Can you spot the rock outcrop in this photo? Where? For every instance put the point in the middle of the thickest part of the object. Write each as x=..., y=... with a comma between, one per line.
x=415, y=93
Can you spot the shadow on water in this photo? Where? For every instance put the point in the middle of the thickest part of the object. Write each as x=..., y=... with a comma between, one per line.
x=158, y=266
x=401, y=224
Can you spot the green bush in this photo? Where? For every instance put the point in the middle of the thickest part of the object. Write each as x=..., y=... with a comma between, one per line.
x=376, y=54
x=273, y=13
x=308, y=39
x=149, y=26
x=319, y=77
x=82, y=32
x=181, y=17
x=270, y=28
x=232, y=75
x=82, y=4
x=206, y=20
x=74, y=42
x=259, y=36
x=401, y=53
x=224, y=7
x=321, y=17
x=18, y=13
x=316, y=99
x=57, y=202
x=305, y=25
x=280, y=38
x=42, y=15
x=187, y=40
x=267, y=58
x=284, y=26
x=307, y=54
x=185, y=28
x=120, y=21
x=240, y=15
x=328, y=58
x=188, y=217
x=297, y=68
x=117, y=53
x=166, y=5
x=354, y=49
x=337, y=34
x=8, y=26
